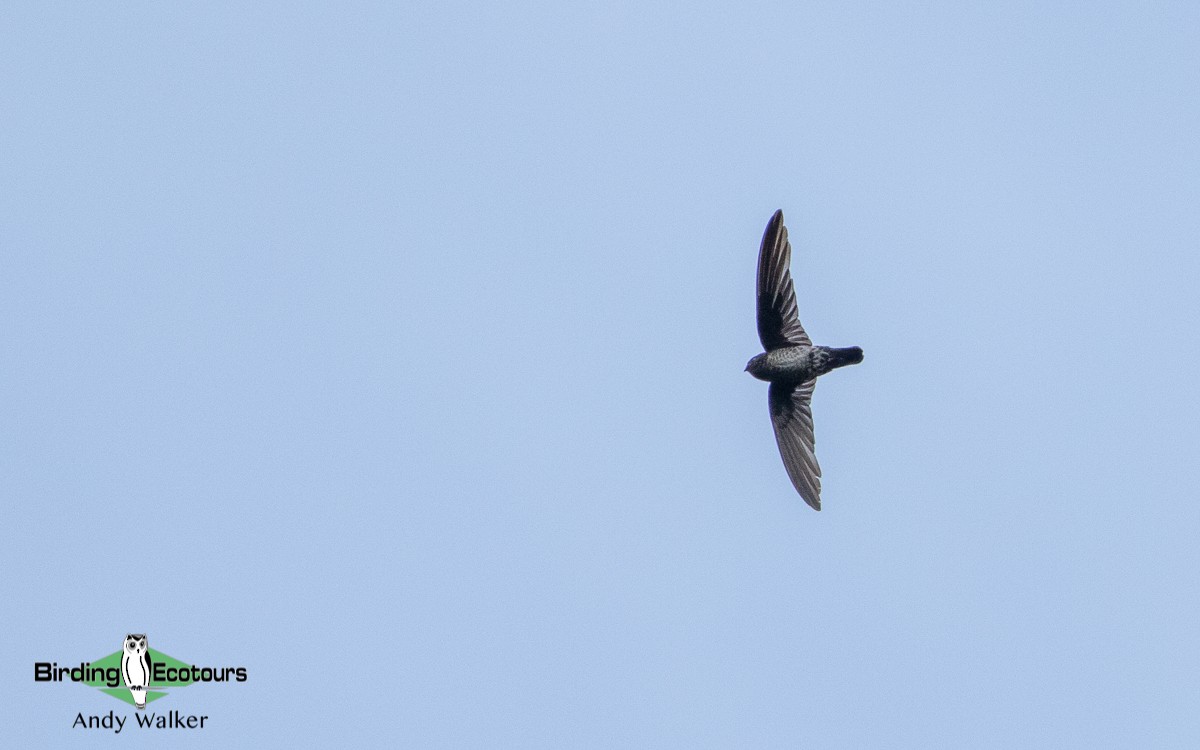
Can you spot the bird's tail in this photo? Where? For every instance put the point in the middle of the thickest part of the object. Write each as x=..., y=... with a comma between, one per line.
x=851, y=355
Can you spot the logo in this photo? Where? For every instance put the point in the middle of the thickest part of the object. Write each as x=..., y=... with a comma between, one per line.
x=137, y=675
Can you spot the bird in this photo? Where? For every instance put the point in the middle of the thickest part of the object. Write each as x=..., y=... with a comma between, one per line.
x=790, y=362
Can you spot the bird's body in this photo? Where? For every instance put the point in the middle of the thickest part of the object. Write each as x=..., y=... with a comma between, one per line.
x=136, y=668
x=799, y=364
x=791, y=364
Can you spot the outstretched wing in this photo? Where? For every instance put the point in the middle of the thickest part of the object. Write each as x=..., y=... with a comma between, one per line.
x=778, y=322
x=791, y=416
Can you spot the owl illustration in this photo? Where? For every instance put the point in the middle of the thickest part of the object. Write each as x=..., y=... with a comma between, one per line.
x=135, y=667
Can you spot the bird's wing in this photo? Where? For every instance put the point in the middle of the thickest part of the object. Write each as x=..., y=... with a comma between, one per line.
x=791, y=416
x=778, y=322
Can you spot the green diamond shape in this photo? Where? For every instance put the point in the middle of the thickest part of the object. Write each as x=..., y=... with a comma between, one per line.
x=122, y=693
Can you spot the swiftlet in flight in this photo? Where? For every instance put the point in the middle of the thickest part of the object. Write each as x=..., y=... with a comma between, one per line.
x=791, y=364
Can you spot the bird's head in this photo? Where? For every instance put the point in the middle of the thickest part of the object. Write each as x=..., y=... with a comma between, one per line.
x=755, y=363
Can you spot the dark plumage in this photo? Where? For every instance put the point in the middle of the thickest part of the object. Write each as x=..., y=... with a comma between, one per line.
x=791, y=364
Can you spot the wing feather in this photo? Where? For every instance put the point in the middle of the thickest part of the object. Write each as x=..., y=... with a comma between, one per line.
x=791, y=416
x=778, y=320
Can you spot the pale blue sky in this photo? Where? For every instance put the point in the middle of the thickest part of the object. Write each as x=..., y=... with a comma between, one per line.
x=395, y=353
